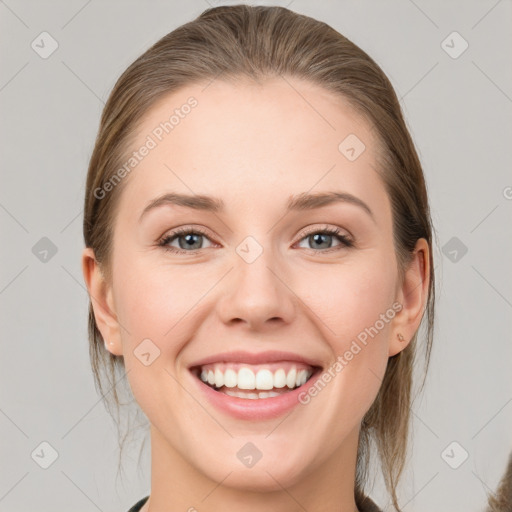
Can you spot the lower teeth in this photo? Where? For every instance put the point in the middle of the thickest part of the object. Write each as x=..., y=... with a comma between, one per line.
x=253, y=396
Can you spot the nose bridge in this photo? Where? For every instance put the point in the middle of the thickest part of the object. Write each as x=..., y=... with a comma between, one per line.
x=255, y=292
x=253, y=268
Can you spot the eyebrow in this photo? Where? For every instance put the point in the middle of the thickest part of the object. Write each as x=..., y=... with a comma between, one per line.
x=303, y=201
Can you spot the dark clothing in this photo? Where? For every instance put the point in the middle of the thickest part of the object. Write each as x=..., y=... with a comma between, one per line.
x=365, y=506
x=138, y=505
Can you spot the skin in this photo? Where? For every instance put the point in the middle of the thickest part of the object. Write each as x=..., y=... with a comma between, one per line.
x=253, y=146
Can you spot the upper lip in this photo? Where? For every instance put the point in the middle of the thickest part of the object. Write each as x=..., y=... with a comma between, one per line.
x=270, y=356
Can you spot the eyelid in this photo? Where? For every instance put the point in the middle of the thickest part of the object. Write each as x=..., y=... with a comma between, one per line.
x=203, y=231
x=187, y=228
x=324, y=227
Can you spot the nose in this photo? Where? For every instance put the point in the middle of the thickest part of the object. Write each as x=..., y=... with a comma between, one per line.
x=256, y=294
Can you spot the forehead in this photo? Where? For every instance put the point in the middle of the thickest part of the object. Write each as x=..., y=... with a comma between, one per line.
x=245, y=141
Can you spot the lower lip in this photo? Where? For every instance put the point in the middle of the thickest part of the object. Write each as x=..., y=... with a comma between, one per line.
x=255, y=409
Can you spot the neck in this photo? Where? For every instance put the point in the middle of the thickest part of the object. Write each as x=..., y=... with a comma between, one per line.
x=326, y=486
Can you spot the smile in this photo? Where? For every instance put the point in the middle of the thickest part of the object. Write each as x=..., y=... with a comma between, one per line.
x=255, y=381
x=254, y=386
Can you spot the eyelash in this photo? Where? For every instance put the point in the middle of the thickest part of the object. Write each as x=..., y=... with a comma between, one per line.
x=345, y=241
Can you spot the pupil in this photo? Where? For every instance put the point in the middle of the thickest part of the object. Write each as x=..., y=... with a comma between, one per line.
x=318, y=235
x=189, y=241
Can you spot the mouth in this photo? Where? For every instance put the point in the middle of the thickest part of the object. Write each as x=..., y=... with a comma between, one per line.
x=255, y=382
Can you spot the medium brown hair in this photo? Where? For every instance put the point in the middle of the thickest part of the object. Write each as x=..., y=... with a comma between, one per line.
x=258, y=42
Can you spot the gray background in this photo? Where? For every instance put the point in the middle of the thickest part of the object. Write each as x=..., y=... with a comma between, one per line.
x=459, y=112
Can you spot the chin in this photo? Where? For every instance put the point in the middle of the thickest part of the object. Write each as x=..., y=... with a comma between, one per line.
x=265, y=476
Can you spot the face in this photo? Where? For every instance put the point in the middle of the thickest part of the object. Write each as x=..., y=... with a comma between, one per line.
x=254, y=277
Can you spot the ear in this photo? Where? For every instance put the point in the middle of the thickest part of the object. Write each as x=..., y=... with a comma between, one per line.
x=102, y=302
x=412, y=295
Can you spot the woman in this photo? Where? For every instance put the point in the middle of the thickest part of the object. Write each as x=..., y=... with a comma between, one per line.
x=259, y=261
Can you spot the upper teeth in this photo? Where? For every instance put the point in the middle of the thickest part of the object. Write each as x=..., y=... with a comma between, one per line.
x=245, y=378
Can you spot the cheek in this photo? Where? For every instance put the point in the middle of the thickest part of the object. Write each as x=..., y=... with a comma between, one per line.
x=354, y=303
x=153, y=300
x=154, y=304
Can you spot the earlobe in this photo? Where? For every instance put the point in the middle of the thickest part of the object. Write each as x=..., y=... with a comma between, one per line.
x=100, y=293
x=412, y=295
